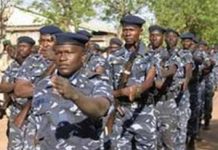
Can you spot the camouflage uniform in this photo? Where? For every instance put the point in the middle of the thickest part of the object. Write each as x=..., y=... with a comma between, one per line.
x=95, y=60
x=137, y=129
x=60, y=123
x=12, y=110
x=31, y=70
x=209, y=93
x=183, y=109
x=195, y=101
x=165, y=102
x=116, y=60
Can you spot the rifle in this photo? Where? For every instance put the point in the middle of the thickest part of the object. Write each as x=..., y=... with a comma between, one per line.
x=121, y=84
x=21, y=117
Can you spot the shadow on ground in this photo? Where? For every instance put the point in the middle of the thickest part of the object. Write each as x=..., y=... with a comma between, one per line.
x=209, y=138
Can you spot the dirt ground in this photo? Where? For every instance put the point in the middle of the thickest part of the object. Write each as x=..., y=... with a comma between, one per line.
x=209, y=142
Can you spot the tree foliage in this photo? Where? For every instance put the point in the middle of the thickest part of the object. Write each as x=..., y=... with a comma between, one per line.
x=64, y=13
x=116, y=9
x=197, y=16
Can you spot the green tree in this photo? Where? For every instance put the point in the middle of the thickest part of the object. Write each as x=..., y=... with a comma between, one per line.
x=114, y=10
x=64, y=13
x=4, y=14
x=197, y=16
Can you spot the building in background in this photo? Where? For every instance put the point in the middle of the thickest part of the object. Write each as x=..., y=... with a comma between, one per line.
x=21, y=22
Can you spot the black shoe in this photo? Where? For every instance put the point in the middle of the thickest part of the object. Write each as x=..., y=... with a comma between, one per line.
x=198, y=137
x=191, y=144
x=207, y=125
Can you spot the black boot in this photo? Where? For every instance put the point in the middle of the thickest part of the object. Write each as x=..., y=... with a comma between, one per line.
x=191, y=144
x=207, y=124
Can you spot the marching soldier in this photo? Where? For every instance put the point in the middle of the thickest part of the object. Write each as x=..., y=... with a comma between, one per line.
x=70, y=105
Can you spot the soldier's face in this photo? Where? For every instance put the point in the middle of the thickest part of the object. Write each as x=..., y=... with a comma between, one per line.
x=46, y=42
x=171, y=39
x=113, y=48
x=24, y=50
x=156, y=39
x=186, y=43
x=69, y=59
x=131, y=34
x=203, y=47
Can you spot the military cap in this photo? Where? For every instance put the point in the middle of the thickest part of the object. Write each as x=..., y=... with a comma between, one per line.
x=84, y=32
x=156, y=28
x=169, y=30
x=116, y=41
x=187, y=35
x=71, y=38
x=6, y=42
x=203, y=43
x=50, y=29
x=132, y=20
x=25, y=39
x=196, y=40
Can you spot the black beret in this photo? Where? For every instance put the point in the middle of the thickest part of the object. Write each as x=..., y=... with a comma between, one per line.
x=71, y=38
x=132, y=20
x=169, y=30
x=196, y=40
x=84, y=32
x=156, y=28
x=203, y=43
x=50, y=29
x=25, y=39
x=188, y=35
x=116, y=41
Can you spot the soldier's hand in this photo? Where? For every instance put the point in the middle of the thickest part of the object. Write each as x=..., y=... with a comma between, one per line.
x=63, y=87
x=48, y=53
x=134, y=92
x=163, y=72
x=184, y=85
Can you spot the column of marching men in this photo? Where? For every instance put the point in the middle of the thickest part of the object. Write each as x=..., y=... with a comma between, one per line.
x=72, y=94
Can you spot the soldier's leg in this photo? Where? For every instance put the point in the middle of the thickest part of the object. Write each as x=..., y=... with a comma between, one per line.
x=167, y=124
x=15, y=134
x=15, y=140
x=122, y=138
x=193, y=122
x=144, y=129
x=208, y=107
x=183, y=117
x=201, y=101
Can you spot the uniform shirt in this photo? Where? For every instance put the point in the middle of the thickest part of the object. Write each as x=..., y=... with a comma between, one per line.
x=10, y=76
x=11, y=72
x=94, y=61
x=140, y=65
x=116, y=61
x=64, y=123
x=33, y=67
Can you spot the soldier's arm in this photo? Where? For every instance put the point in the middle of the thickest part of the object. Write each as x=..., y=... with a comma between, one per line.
x=188, y=75
x=94, y=107
x=135, y=90
x=23, y=88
